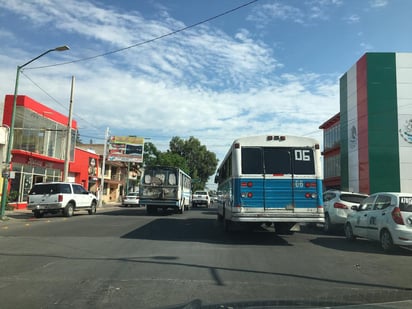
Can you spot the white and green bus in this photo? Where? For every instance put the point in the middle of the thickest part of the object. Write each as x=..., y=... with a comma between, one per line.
x=165, y=187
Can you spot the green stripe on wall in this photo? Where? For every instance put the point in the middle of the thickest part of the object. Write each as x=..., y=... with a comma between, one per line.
x=382, y=122
x=344, y=161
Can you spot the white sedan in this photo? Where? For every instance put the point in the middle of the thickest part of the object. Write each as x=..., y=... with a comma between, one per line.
x=131, y=199
x=384, y=217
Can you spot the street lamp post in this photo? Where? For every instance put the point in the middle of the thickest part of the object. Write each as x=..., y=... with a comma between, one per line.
x=11, y=131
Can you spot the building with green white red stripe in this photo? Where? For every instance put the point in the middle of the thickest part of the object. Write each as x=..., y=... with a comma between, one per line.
x=376, y=124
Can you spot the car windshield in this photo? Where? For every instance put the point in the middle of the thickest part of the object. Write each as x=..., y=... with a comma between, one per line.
x=133, y=194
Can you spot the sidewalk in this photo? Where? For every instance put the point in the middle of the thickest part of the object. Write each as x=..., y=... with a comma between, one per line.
x=19, y=214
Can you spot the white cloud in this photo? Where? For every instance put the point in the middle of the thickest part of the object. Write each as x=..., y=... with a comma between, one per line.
x=352, y=19
x=308, y=11
x=202, y=82
x=378, y=3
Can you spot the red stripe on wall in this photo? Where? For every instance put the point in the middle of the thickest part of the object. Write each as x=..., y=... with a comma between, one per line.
x=363, y=153
x=36, y=107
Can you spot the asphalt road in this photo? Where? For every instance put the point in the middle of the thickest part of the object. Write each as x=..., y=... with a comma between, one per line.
x=123, y=258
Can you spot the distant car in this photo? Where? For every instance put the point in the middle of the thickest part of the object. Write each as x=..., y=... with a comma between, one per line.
x=337, y=205
x=385, y=217
x=131, y=199
x=201, y=198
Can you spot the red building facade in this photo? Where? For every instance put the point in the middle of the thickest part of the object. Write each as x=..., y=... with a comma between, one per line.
x=39, y=147
x=331, y=152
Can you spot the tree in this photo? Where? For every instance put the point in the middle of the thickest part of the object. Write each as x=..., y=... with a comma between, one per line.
x=201, y=162
x=173, y=159
x=78, y=138
x=150, y=154
x=189, y=155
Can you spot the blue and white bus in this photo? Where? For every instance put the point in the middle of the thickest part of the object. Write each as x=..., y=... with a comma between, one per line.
x=271, y=179
x=165, y=187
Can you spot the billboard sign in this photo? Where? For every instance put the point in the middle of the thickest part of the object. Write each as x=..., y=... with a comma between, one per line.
x=126, y=149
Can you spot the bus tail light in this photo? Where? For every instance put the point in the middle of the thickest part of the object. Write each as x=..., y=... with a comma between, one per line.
x=397, y=216
x=311, y=195
x=310, y=184
x=246, y=194
x=247, y=184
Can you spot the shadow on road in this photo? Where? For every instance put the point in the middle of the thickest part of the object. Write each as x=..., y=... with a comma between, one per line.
x=203, y=230
x=360, y=245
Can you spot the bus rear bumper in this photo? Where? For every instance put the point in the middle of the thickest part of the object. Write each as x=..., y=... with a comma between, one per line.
x=281, y=217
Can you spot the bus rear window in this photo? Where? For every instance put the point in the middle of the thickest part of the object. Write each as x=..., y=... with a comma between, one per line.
x=277, y=160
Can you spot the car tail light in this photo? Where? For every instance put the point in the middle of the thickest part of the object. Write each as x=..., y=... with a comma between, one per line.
x=60, y=198
x=340, y=206
x=397, y=216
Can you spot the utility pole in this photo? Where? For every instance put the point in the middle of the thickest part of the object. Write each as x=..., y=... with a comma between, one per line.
x=106, y=138
x=68, y=135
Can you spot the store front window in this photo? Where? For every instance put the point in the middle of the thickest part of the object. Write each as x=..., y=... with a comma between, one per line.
x=35, y=133
x=25, y=176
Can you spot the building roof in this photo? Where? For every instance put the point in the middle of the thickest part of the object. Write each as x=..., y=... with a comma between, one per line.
x=331, y=121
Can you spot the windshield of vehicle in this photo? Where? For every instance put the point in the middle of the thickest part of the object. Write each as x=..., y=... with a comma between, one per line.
x=352, y=198
x=277, y=160
x=405, y=203
x=160, y=176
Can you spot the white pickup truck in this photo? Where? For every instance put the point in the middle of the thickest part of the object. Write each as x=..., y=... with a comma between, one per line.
x=64, y=197
x=201, y=198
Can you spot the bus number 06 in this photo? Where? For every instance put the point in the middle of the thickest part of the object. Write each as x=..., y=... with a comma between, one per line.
x=302, y=155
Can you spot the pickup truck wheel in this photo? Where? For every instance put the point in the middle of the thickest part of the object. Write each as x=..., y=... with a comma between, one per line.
x=92, y=209
x=68, y=211
x=38, y=214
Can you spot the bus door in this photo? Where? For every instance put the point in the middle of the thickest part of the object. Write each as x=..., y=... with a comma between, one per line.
x=267, y=176
x=278, y=189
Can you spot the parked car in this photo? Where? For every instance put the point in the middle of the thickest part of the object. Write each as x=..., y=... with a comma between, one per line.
x=337, y=205
x=385, y=217
x=201, y=198
x=131, y=199
x=63, y=197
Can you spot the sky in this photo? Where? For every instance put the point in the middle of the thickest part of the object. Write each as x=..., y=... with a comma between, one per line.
x=216, y=69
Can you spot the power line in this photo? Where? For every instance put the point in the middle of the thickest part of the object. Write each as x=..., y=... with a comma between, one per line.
x=150, y=40
x=55, y=100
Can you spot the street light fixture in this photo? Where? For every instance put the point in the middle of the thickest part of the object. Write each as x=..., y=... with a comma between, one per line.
x=11, y=131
